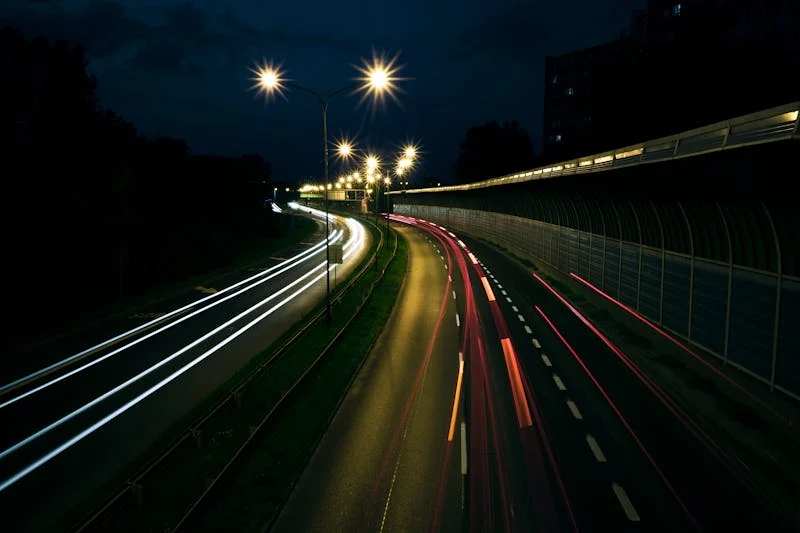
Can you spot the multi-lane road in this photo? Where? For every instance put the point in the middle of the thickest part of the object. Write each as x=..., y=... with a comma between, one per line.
x=562, y=431
x=70, y=426
x=488, y=403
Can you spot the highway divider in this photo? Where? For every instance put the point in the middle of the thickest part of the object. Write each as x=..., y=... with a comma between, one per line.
x=150, y=496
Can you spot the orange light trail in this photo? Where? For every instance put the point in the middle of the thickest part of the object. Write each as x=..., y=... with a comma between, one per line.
x=488, y=288
x=457, y=398
x=518, y=392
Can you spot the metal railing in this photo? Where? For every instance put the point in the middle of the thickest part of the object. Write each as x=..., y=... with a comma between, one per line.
x=770, y=125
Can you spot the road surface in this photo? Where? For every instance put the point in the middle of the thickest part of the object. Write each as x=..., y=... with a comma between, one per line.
x=563, y=432
x=383, y=461
x=629, y=460
x=65, y=435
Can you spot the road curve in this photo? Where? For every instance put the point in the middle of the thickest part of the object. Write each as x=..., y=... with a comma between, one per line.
x=385, y=463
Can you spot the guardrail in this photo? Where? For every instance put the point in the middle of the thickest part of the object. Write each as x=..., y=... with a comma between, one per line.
x=134, y=484
x=770, y=125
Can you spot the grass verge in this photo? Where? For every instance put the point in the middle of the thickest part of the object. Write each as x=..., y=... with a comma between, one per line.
x=170, y=488
x=262, y=480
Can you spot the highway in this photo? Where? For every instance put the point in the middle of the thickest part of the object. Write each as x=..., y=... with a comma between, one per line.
x=71, y=426
x=563, y=432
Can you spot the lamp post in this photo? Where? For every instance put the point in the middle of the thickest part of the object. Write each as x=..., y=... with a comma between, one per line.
x=377, y=80
x=388, y=183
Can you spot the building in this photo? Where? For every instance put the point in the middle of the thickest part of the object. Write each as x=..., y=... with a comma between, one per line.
x=681, y=64
x=584, y=105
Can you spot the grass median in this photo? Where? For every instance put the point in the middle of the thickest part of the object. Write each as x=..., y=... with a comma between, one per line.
x=256, y=488
x=168, y=491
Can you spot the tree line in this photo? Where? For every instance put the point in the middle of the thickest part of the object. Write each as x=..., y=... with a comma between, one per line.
x=93, y=211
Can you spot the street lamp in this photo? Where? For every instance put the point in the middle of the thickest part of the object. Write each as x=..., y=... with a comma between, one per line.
x=378, y=80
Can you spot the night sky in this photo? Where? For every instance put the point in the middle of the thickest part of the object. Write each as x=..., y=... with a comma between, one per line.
x=181, y=68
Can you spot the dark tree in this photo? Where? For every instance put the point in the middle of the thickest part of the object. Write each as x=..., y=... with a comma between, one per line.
x=92, y=212
x=493, y=150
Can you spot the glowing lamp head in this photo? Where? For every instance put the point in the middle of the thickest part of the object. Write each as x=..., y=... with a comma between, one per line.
x=269, y=79
x=372, y=163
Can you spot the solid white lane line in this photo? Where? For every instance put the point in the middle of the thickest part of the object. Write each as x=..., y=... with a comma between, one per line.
x=596, y=451
x=574, y=410
x=536, y=344
x=458, y=321
x=625, y=502
x=559, y=383
x=546, y=360
x=528, y=329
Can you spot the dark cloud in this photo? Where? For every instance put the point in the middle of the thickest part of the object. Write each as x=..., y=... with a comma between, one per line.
x=103, y=28
x=514, y=32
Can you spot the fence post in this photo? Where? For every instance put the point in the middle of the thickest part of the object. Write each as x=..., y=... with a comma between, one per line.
x=619, y=257
x=778, y=284
x=691, y=269
x=730, y=284
x=588, y=213
x=578, y=231
x=641, y=249
x=605, y=239
x=663, y=260
x=558, y=234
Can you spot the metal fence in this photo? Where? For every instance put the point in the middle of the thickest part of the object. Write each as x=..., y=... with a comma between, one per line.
x=746, y=316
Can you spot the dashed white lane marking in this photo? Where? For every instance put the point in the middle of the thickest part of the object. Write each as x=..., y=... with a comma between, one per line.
x=528, y=330
x=521, y=318
x=504, y=293
x=625, y=502
x=546, y=360
x=454, y=295
x=458, y=321
x=514, y=307
x=559, y=383
x=499, y=286
x=536, y=344
x=449, y=278
x=596, y=451
x=509, y=299
x=573, y=408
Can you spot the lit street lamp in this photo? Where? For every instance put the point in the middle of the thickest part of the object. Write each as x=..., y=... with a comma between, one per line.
x=378, y=79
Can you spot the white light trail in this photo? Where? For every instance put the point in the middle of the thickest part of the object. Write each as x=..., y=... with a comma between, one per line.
x=149, y=324
x=354, y=244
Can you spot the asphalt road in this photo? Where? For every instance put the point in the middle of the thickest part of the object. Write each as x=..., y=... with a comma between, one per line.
x=225, y=329
x=386, y=463
x=626, y=460
x=562, y=434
